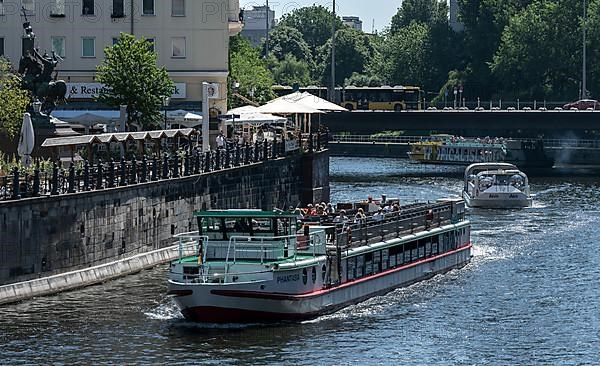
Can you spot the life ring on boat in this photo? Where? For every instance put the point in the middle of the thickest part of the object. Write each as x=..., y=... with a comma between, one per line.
x=349, y=233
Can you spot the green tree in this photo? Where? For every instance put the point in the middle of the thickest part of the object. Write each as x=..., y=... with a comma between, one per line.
x=484, y=22
x=247, y=67
x=132, y=78
x=353, y=49
x=405, y=54
x=427, y=12
x=593, y=29
x=537, y=58
x=314, y=22
x=291, y=71
x=13, y=100
x=357, y=79
x=284, y=40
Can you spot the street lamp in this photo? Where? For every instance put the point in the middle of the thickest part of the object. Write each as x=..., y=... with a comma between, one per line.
x=166, y=102
x=37, y=106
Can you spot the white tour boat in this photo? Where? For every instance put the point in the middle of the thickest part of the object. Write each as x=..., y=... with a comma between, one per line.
x=496, y=185
x=261, y=266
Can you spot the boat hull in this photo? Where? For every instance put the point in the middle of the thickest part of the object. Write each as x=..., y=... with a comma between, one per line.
x=501, y=202
x=252, y=302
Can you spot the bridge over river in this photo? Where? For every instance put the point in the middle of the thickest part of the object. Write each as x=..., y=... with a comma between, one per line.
x=496, y=123
x=564, y=151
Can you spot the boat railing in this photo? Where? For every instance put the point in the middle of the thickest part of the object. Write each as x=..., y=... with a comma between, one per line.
x=264, y=248
x=394, y=224
x=190, y=243
x=206, y=275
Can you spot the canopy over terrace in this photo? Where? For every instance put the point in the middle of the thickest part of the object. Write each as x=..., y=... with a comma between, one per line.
x=119, y=137
x=250, y=114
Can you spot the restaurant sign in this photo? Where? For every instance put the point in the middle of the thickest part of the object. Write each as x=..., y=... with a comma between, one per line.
x=92, y=90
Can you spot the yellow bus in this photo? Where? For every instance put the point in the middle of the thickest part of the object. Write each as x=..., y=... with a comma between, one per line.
x=388, y=98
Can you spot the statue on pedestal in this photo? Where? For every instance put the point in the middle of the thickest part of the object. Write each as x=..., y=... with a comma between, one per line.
x=37, y=71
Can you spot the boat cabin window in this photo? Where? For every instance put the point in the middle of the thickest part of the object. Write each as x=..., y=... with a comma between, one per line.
x=220, y=228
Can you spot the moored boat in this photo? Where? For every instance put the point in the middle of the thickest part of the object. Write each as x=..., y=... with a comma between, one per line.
x=496, y=185
x=249, y=265
x=448, y=149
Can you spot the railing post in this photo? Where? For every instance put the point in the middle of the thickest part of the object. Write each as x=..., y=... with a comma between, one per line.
x=100, y=176
x=265, y=156
x=274, y=150
x=310, y=143
x=133, y=171
x=227, y=157
x=186, y=164
x=144, y=178
x=319, y=141
x=197, y=158
x=246, y=153
x=176, y=166
x=218, y=159
x=36, y=180
x=154, y=177
x=71, y=188
x=123, y=173
x=16, y=188
x=237, y=154
x=165, y=167
x=256, y=150
x=207, y=162
x=111, y=173
x=86, y=176
x=54, y=191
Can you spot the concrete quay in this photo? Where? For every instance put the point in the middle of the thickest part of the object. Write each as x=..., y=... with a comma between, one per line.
x=55, y=243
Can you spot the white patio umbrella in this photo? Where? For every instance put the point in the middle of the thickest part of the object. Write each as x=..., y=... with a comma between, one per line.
x=26, y=140
x=283, y=106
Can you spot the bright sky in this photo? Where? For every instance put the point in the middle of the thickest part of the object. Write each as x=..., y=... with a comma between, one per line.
x=381, y=11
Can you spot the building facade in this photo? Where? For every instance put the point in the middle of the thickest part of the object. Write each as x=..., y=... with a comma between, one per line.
x=190, y=37
x=255, y=23
x=353, y=22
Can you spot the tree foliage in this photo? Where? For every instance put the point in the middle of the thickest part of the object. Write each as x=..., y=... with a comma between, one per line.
x=291, y=71
x=131, y=78
x=13, y=100
x=429, y=12
x=353, y=52
x=247, y=68
x=314, y=22
x=284, y=40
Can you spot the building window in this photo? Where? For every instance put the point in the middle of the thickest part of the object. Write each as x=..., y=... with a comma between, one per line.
x=88, y=47
x=148, y=7
x=58, y=46
x=1, y=46
x=1, y=7
x=87, y=7
x=115, y=40
x=178, y=8
x=178, y=47
x=118, y=9
x=58, y=8
x=151, y=44
x=29, y=6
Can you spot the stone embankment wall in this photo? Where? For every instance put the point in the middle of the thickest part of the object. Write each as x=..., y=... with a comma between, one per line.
x=41, y=237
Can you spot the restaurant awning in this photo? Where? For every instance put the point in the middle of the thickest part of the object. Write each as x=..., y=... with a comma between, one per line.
x=117, y=137
x=284, y=106
x=250, y=114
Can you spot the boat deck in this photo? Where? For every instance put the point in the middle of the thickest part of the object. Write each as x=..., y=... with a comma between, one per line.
x=292, y=259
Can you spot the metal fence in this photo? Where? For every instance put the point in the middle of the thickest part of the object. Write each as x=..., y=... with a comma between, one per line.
x=22, y=183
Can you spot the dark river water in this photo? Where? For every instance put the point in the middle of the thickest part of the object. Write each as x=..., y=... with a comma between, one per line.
x=531, y=295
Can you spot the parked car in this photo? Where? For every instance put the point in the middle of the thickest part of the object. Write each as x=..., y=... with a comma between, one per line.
x=583, y=104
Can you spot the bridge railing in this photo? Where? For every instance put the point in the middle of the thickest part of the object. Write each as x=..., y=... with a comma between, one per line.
x=54, y=180
x=548, y=143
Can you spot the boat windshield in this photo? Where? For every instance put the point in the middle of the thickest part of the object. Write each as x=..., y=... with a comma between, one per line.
x=223, y=228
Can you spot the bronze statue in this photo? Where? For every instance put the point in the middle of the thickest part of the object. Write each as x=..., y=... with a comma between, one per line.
x=37, y=70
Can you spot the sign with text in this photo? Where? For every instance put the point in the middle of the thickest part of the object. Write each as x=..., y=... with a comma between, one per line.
x=92, y=90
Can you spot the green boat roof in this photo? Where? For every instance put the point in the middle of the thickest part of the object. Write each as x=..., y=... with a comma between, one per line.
x=244, y=213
